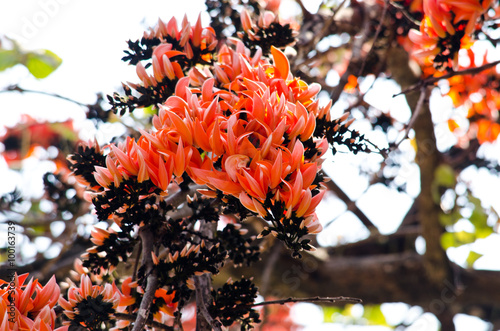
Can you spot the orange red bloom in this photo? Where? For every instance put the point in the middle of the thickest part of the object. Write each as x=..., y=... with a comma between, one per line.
x=28, y=306
x=446, y=27
x=479, y=95
x=243, y=127
x=90, y=305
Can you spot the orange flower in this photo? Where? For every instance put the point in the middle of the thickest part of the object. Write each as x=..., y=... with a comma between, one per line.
x=243, y=126
x=191, y=40
x=446, y=27
x=479, y=95
x=30, y=306
x=168, y=307
x=259, y=140
x=90, y=305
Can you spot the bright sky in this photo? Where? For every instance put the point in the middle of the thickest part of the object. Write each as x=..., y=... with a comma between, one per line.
x=90, y=37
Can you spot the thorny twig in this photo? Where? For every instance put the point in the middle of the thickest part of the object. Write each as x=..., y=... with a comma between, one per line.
x=311, y=299
x=377, y=33
x=433, y=79
x=416, y=113
x=19, y=89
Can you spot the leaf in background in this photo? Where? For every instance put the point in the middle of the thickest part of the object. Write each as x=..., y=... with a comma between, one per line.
x=450, y=219
x=150, y=110
x=445, y=176
x=464, y=237
x=483, y=232
x=374, y=315
x=64, y=130
x=479, y=218
x=473, y=257
x=329, y=314
x=42, y=63
x=9, y=58
x=448, y=240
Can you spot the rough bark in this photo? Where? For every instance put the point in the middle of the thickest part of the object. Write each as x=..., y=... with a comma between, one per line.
x=393, y=277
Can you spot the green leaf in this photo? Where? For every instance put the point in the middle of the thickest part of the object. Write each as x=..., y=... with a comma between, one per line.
x=448, y=240
x=42, y=63
x=450, y=219
x=483, y=232
x=65, y=131
x=374, y=315
x=445, y=176
x=464, y=237
x=473, y=256
x=37, y=229
x=479, y=218
x=9, y=58
x=150, y=110
x=329, y=314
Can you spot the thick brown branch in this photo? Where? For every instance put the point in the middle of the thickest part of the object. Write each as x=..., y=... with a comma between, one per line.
x=204, y=321
x=203, y=285
x=147, y=238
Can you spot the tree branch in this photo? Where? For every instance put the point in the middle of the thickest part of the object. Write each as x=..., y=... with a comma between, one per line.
x=133, y=317
x=433, y=79
x=147, y=238
x=423, y=96
x=351, y=206
x=19, y=89
x=312, y=299
x=203, y=284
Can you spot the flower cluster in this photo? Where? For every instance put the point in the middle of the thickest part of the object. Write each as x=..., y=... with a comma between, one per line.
x=234, y=124
x=90, y=305
x=93, y=306
x=246, y=131
x=171, y=52
x=480, y=96
x=233, y=301
x=446, y=28
x=20, y=142
x=28, y=306
x=267, y=32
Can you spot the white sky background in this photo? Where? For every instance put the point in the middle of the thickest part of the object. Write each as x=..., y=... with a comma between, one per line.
x=90, y=37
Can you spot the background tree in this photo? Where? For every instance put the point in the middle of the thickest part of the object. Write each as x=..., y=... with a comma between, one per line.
x=362, y=44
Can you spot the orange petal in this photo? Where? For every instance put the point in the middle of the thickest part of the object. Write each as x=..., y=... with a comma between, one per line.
x=280, y=62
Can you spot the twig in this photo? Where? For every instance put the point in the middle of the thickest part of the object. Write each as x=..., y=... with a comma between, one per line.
x=336, y=10
x=133, y=317
x=136, y=264
x=202, y=284
x=405, y=13
x=416, y=113
x=268, y=269
x=377, y=32
x=433, y=79
x=19, y=89
x=351, y=206
x=311, y=299
x=180, y=196
x=357, y=46
x=307, y=15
